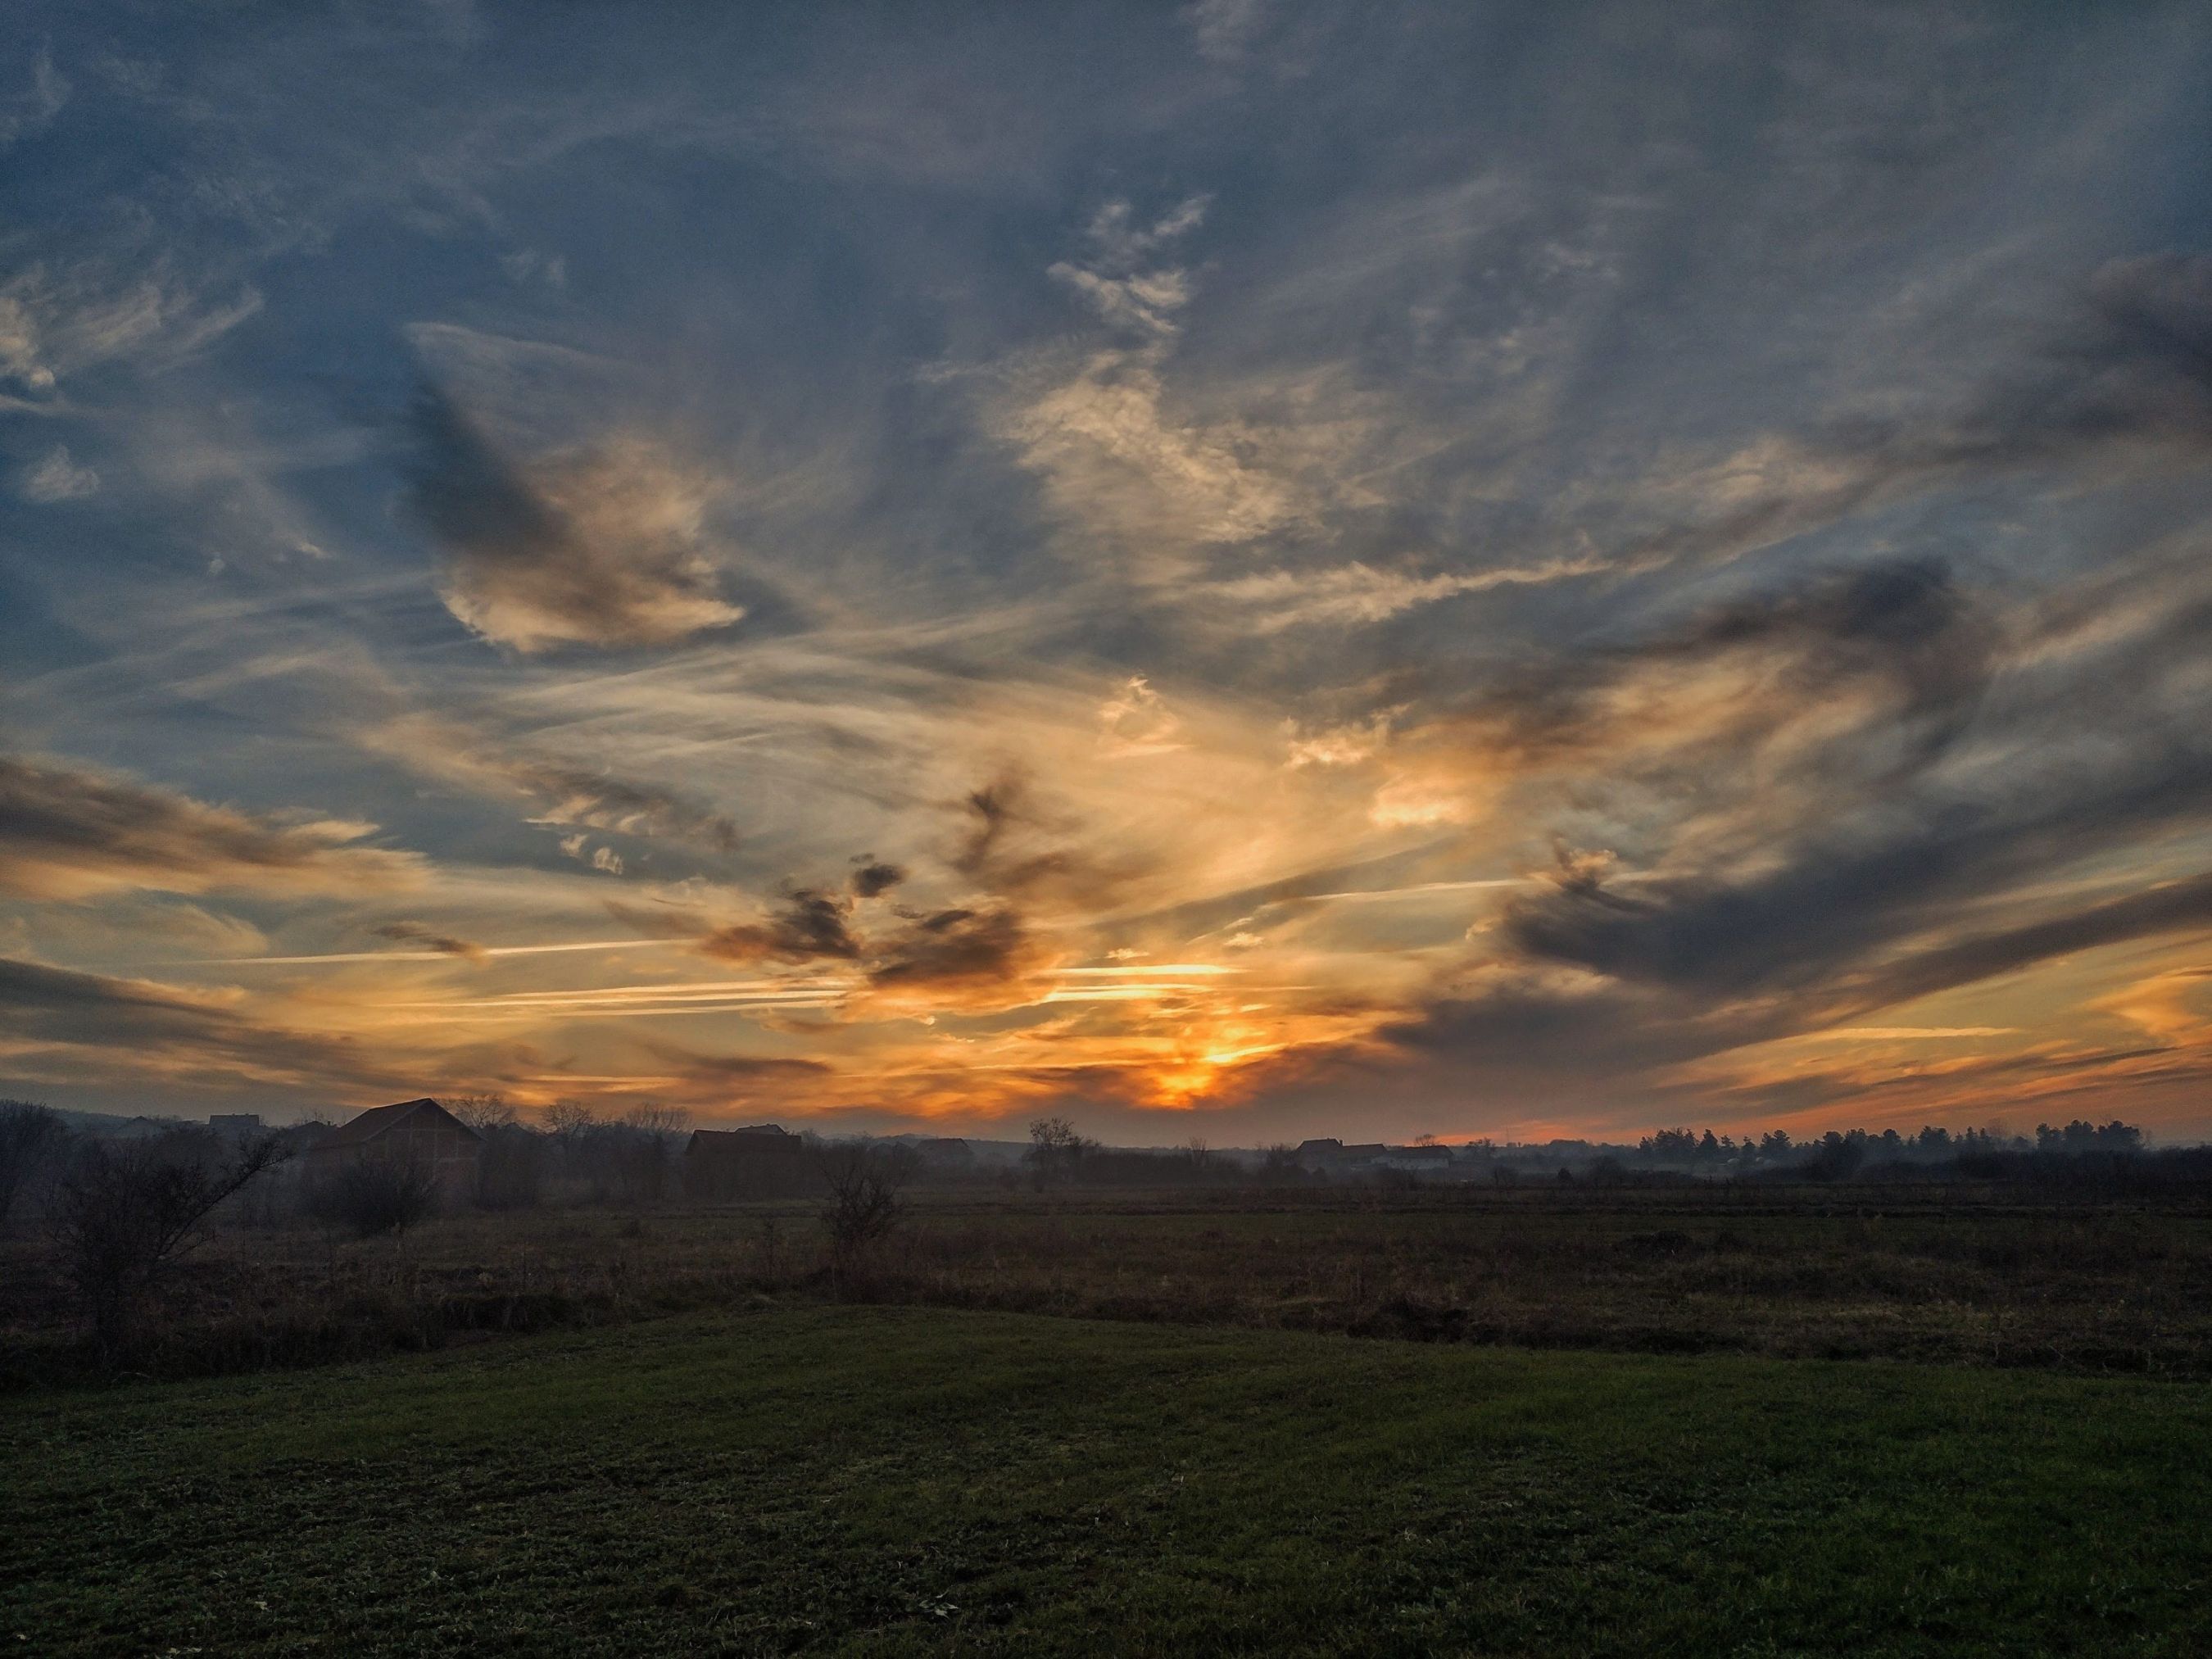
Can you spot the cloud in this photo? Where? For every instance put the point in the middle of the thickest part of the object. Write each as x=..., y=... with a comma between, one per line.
x=809, y=926
x=57, y=478
x=564, y=794
x=1119, y=239
x=25, y=112
x=2118, y=373
x=2172, y=907
x=1224, y=28
x=1900, y=636
x=67, y=834
x=1145, y=303
x=1137, y=720
x=414, y=932
x=876, y=876
x=59, y=1023
x=603, y=545
x=1354, y=594
x=1337, y=746
x=59, y=320
x=1113, y=459
x=959, y=954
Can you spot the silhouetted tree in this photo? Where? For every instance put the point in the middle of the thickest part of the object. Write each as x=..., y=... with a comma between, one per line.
x=122, y=1214
x=30, y=1135
x=1055, y=1149
x=481, y=1113
x=865, y=1202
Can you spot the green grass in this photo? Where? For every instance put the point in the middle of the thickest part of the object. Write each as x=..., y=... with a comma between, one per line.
x=892, y=1479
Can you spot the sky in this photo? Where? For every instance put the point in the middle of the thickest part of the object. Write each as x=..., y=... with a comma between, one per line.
x=1244, y=569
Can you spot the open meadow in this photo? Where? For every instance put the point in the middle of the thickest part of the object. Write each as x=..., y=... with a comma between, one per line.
x=1934, y=1273
x=1686, y=1419
x=873, y=1480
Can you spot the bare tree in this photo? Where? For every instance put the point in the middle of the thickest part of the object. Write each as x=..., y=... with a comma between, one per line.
x=865, y=1202
x=483, y=1112
x=569, y=1120
x=655, y=1119
x=29, y=1136
x=123, y=1215
x=1055, y=1149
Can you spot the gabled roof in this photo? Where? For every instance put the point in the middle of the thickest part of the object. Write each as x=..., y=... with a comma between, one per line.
x=378, y=1119
x=764, y=1139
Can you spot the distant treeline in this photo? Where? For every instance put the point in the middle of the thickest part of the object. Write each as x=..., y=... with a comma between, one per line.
x=2078, y=1154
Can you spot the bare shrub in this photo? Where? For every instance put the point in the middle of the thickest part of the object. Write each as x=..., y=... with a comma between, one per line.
x=124, y=1214
x=865, y=1204
x=376, y=1197
x=30, y=1136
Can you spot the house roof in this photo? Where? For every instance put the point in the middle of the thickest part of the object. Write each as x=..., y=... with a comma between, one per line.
x=378, y=1119
x=766, y=1138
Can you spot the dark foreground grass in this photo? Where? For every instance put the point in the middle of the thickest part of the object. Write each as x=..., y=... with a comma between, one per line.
x=885, y=1481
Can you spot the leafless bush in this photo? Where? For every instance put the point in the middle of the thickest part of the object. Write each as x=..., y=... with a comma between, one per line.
x=865, y=1202
x=122, y=1214
x=30, y=1136
x=376, y=1197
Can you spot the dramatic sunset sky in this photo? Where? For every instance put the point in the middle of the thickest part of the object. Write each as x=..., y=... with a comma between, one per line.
x=1250, y=568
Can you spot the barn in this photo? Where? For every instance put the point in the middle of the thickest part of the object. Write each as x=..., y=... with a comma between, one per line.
x=725, y=1166
x=417, y=1132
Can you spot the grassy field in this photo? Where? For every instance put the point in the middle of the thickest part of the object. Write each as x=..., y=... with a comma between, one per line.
x=890, y=1479
x=1944, y=1275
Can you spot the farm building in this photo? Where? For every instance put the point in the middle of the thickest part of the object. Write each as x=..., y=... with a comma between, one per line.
x=723, y=1166
x=419, y=1132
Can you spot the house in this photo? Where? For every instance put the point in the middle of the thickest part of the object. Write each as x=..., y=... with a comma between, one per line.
x=236, y=1126
x=944, y=1153
x=417, y=1132
x=762, y=1160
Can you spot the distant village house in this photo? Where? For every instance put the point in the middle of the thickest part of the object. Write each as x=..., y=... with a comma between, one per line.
x=727, y=1166
x=421, y=1133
